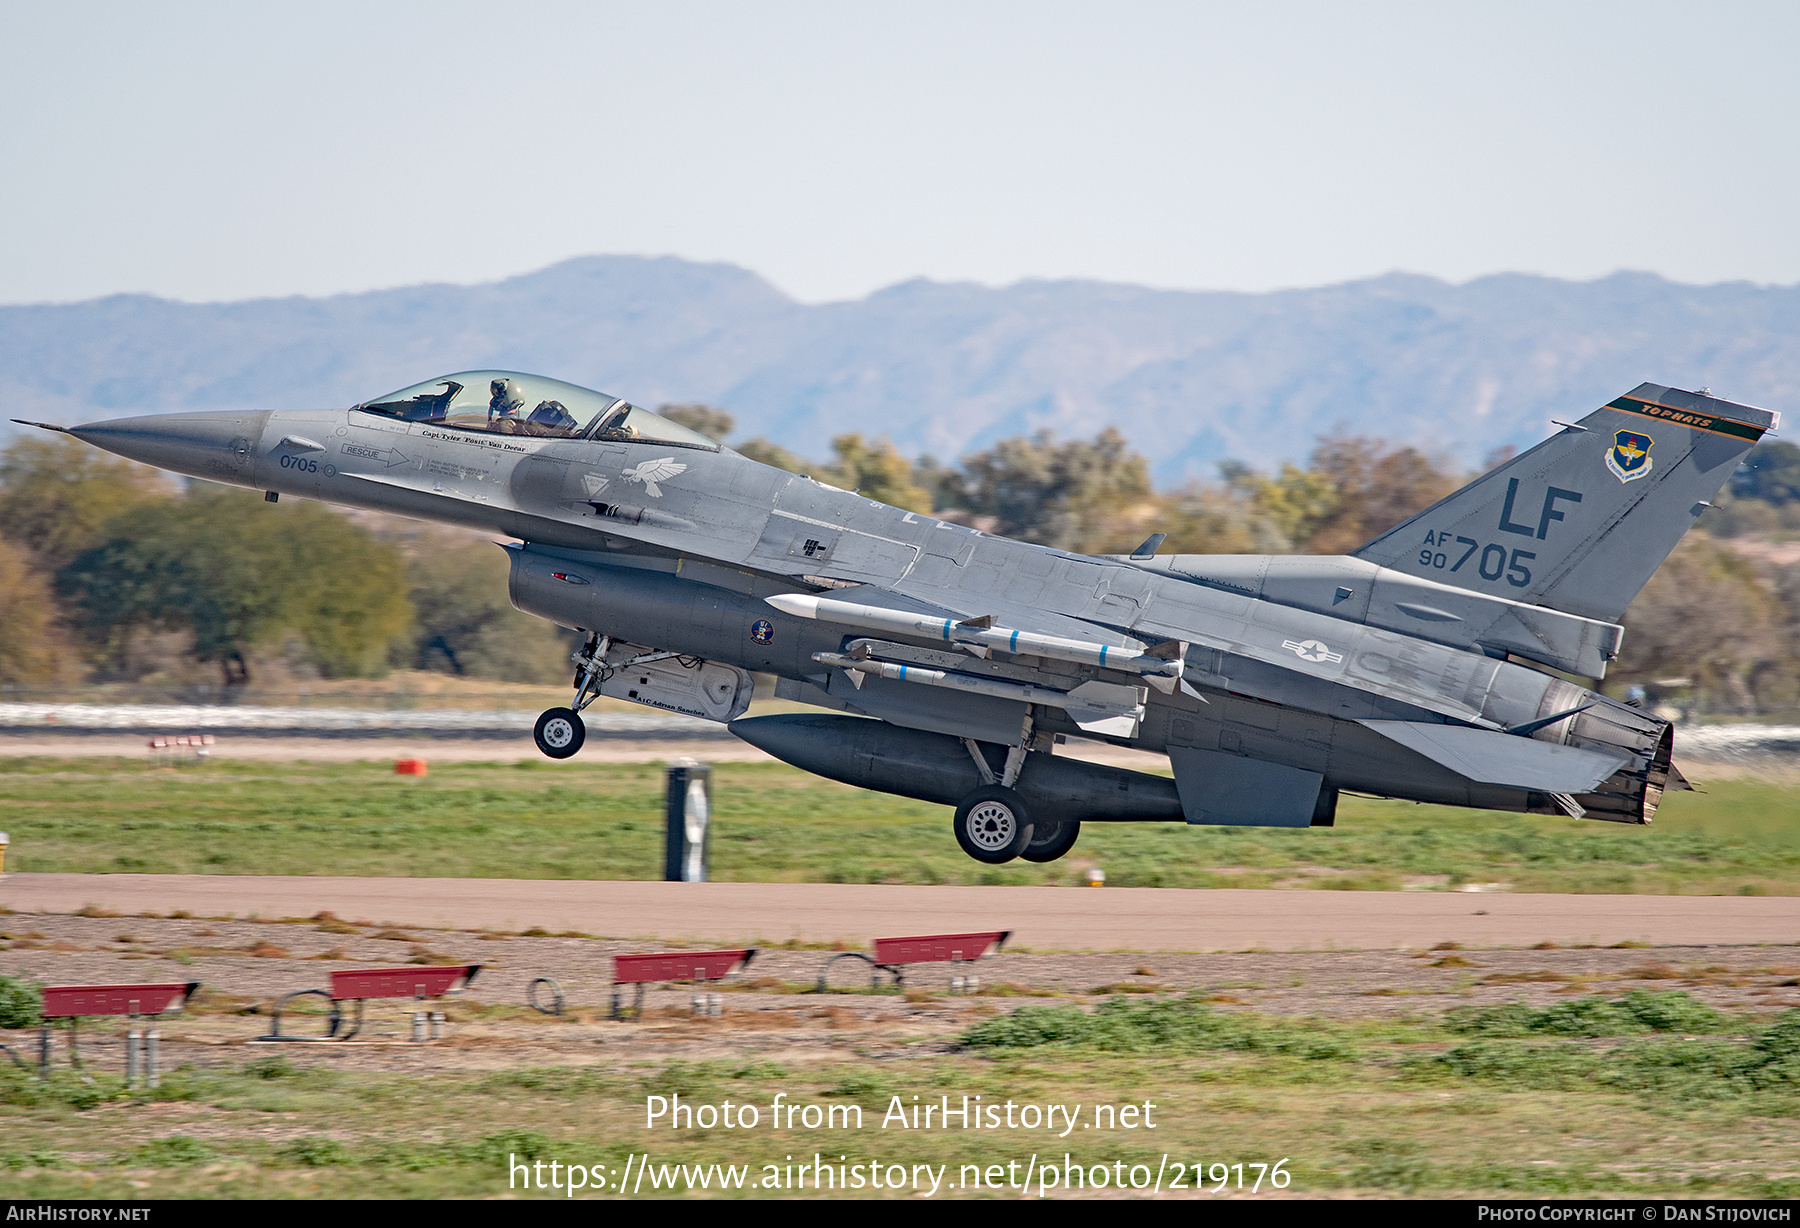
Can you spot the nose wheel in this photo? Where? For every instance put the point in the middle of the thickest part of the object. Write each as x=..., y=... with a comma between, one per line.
x=560, y=732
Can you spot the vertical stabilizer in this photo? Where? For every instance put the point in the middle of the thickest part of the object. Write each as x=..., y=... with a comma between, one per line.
x=1582, y=521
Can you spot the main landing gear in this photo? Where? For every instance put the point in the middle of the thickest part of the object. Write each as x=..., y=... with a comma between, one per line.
x=1051, y=838
x=993, y=824
x=560, y=732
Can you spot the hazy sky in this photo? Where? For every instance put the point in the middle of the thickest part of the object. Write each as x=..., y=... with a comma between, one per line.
x=206, y=151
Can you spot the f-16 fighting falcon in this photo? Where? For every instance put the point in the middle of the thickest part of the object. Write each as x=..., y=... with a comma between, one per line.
x=947, y=664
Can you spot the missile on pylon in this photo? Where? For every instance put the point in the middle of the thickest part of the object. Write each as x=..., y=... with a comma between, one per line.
x=981, y=637
x=1094, y=706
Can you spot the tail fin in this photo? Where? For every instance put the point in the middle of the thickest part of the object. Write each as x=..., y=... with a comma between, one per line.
x=1582, y=521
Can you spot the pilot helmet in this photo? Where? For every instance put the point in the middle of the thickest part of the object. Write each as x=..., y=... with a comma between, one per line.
x=506, y=398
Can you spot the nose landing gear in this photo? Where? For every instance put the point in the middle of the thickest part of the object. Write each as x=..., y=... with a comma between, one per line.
x=560, y=732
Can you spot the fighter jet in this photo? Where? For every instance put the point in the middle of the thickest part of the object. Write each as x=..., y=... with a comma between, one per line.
x=1433, y=664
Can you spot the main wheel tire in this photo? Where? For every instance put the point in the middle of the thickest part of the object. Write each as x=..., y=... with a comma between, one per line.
x=1051, y=840
x=560, y=732
x=992, y=825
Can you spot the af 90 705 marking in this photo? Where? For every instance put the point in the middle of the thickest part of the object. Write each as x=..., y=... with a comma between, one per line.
x=1493, y=563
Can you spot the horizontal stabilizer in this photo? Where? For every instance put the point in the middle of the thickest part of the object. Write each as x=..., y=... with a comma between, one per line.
x=1505, y=759
x=1220, y=789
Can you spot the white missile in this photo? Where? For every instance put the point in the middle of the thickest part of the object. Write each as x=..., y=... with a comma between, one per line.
x=979, y=635
x=1092, y=705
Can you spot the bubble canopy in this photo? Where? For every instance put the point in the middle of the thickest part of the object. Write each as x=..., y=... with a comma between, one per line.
x=513, y=403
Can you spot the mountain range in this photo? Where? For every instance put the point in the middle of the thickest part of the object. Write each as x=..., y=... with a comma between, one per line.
x=1190, y=377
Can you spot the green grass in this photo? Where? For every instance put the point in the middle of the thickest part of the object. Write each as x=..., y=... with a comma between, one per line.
x=596, y=820
x=1384, y=1107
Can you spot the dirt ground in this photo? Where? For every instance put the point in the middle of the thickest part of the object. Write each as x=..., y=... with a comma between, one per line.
x=770, y=1011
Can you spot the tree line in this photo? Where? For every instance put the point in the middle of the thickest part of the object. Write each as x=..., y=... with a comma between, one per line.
x=110, y=571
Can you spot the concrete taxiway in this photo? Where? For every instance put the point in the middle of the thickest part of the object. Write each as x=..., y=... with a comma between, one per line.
x=1041, y=918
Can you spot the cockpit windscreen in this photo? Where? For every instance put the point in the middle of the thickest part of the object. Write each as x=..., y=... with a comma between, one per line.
x=511, y=403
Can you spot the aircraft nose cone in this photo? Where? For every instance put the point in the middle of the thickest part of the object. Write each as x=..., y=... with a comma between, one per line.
x=219, y=445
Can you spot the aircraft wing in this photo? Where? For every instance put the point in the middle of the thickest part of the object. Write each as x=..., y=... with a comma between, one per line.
x=1505, y=759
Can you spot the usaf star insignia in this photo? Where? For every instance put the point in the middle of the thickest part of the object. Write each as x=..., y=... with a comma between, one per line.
x=1312, y=650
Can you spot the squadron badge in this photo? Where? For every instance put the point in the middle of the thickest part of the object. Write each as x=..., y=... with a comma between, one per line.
x=1629, y=457
x=653, y=471
x=762, y=631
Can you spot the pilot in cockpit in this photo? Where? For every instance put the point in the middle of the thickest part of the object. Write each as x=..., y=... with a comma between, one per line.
x=505, y=400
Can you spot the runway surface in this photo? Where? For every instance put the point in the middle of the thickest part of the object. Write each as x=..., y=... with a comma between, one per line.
x=1041, y=918
x=376, y=749
x=497, y=748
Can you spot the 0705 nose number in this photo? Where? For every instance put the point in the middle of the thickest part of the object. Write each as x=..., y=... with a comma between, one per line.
x=300, y=463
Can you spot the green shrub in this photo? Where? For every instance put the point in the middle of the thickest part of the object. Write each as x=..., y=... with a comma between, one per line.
x=1031, y=1026
x=865, y=1089
x=63, y=1087
x=1781, y=1043
x=1671, y=1012
x=272, y=1067
x=499, y=1149
x=1639, y=1011
x=408, y=1159
x=1170, y=1025
x=316, y=1151
x=1513, y=1019
x=1533, y=1066
x=173, y=1150
x=21, y=1003
x=1704, y=1069
x=1388, y=1163
x=696, y=1079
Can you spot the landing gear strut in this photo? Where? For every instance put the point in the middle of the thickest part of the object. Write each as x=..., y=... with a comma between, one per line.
x=560, y=732
x=993, y=824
